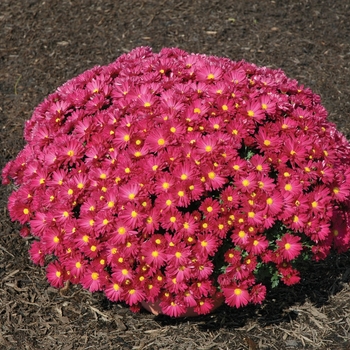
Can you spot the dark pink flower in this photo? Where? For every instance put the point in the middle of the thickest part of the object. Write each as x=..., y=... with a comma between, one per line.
x=94, y=279
x=162, y=177
x=114, y=291
x=76, y=265
x=37, y=253
x=289, y=246
x=133, y=294
x=236, y=296
x=173, y=308
x=254, y=110
x=204, y=306
x=55, y=274
x=155, y=255
x=210, y=208
x=257, y=293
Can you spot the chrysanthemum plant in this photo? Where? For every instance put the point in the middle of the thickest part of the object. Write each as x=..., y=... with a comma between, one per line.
x=179, y=178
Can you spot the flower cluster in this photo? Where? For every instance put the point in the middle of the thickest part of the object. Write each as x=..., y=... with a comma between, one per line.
x=176, y=176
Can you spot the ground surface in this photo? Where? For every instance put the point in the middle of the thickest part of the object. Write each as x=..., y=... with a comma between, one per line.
x=45, y=43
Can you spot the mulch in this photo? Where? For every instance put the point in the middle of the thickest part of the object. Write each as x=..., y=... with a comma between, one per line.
x=45, y=43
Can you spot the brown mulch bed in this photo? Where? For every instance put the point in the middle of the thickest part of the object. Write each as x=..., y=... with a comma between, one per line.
x=45, y=43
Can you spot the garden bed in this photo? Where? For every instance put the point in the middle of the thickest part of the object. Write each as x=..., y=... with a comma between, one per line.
x=43, y=44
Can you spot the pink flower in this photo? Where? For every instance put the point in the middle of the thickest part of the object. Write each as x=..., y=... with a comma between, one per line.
x=207, y=145
x=163, y=177
x=207, y=244
x=290, y=276
x=52, y=240
x=204, y=306
x=189, y=299
x=289, y=246
x=268, y=104
x=55, y=274
x=201, y=288
x=247, y=182
x=19, y=210
x=114, y=291
x=173, y=308
x=133, y=294
x=229, y=197
x=76, y=265
x=37, y=253
x=256, y=245
x=209, y=73
x=71, y=151
x=236, y=296
x=213, y=179
x=155, y=256
x=254, y=110
x=157, y=140
x=258, y=293
x=94, y=279
x=210, y=208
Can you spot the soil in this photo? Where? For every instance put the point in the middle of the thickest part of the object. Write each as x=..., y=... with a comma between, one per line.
x=44, y=43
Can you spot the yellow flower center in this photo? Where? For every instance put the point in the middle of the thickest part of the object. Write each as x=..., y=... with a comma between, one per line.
x=245, y=183
x=211, y=175
x=121, y=230
x=94, y=276
x=288, y=187
x=241, y=234
x=237, y=291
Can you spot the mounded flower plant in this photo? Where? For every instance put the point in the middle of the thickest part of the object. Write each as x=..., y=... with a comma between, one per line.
x=178, y=178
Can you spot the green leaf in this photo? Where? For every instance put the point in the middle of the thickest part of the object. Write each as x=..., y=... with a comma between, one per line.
x=275, y=280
